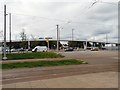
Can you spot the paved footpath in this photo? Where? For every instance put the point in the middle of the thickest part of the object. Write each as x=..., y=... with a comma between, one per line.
x=93, y=80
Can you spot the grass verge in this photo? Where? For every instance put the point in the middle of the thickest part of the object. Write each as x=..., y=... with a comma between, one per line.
x=34, y=55
x=41, y=64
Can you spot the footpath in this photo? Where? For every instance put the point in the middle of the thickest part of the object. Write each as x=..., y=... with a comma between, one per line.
x=93, y=80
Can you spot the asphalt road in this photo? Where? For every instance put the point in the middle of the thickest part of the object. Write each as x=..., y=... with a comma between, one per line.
x=94, y=57
x=99, y=61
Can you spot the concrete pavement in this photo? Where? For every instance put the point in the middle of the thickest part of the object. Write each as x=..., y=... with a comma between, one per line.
x=93, y=80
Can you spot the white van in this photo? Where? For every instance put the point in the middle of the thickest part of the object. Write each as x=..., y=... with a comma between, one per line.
x=40, y=49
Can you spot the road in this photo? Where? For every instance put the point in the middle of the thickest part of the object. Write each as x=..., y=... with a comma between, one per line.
x=99, y=61
x=94, y=57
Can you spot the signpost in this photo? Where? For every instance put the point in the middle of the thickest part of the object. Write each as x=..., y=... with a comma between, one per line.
x=47, y=40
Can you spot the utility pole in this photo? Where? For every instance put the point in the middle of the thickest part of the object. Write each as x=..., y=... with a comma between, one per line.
x=93, y=41
x=57, y=38
x=72, y=37
x=106, y=39
x=4, y=52
x=48, y=46
x=10, y=31
x=72, y=34
x=86, y=45
x=28, y=44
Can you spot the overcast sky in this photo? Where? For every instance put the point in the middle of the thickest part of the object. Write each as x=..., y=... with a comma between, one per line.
x=90, y=20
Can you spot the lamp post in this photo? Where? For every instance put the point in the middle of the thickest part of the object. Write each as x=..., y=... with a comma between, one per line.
x=106, y=39
x=28, y=43
x=72, y=34
x=72, y=37
x=93, y=41
x=10, y=30
x=4, y=52
x=57, y=38
x=86, y=45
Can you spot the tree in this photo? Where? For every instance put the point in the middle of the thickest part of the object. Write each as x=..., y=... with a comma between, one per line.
x=24, y=45
x=34, y=44
x=23, y=35
x=23, y=39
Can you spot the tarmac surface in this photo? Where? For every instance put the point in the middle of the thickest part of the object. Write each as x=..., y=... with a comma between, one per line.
x=99, y=62
x=94, y=57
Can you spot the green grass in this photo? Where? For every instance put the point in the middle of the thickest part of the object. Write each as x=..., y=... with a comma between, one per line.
x=34, y=55
x=41, y=64
x=0, y=66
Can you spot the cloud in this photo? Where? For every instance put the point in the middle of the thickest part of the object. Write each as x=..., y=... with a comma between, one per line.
x=101, y=32
x=40, y=18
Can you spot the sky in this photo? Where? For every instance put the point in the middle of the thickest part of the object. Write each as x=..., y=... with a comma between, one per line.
x=90, y=19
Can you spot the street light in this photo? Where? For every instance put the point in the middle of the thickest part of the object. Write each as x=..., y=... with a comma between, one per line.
x=93, y=41
x=10, y=31
x=28, y=43
x=85, y=48
x=4, y=53
x=72, y=34
x=106, y=38
x=72, y=37
x=57, y=38
x=60, y=32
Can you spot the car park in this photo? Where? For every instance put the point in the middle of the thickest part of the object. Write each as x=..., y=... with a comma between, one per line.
x=69, y=49
x=94, y=49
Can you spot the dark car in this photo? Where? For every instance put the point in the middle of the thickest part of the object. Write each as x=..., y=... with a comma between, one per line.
x=69, y=49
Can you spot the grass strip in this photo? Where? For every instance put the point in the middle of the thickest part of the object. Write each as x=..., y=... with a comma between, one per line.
x=41, y=64
x=34, y=55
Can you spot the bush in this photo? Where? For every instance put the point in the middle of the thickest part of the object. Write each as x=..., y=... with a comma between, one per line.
x=35, y=55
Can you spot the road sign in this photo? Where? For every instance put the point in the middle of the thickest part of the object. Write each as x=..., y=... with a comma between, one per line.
x=47, y=40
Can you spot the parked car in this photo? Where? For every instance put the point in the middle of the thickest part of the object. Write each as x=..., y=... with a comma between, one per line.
x=30, y=49
x=69, y=49
x=7, y=50
x=13, y=50
x=20, y=49
x=40, y=49
x=94, y=49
